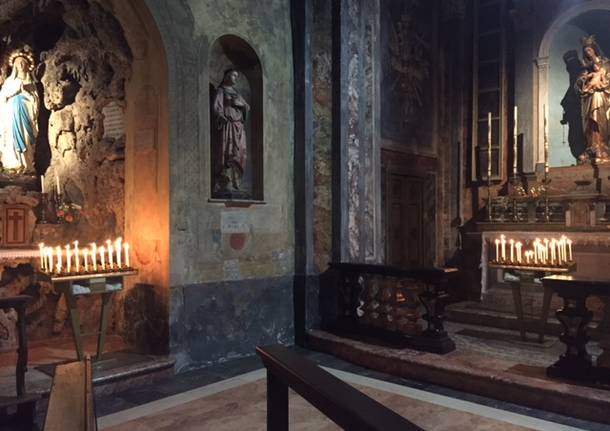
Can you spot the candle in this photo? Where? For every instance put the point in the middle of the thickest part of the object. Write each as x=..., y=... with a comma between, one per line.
x=49, y=252
x=546, y=249
x=102, y=252
x=119, y=249
x=497, y=250
x=569, y=241
x=546, y=140
x=76, y=257
x=552, y=249
x=110, y=251
x=58, y=253
x=42, y=184
x=527, y=257
x=94, y=256
x=512, y=250
x=41, y=248
x=515, y=150
x=489, y=145
x=503, y=241
x=85, y=263
x=518, y=246
x=126, y=249
x=57, y=184
x=68, y=258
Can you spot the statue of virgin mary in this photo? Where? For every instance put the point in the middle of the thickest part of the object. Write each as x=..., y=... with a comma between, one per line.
x=19, y=114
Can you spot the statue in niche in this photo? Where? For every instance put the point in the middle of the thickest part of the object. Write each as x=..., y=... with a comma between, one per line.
x=593, y=86
x=19, y=114
x=230, y=111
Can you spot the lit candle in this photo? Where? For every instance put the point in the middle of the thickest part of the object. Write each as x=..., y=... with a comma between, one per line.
x=489, y=145
x=537, y=251
x=569, y=241
x=503, y=241
x=102, y=252
x=58, y=253
x=85, y=260
x=57, y=184
x=119, y=248
x=42, y=184
x=94, y=256
x=49, y=252
x=497, y=250
x=515, y=150
x=126, y=249
x=546, y=249
x=76, y=256
x=68, y=258
x=527, y=257
x=552, y=249
x=41, y=248
x=518, y=246
x=563, y=247
x=110, y=252
x=512, y=250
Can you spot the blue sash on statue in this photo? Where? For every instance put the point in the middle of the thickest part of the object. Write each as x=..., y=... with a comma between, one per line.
x=22, y=124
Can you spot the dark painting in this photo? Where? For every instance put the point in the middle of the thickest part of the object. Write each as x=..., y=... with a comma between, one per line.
x=407, y=72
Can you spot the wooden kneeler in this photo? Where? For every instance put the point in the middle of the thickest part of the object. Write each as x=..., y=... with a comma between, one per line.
x=71, y=403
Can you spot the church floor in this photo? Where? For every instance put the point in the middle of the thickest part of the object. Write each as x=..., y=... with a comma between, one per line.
x=231, y=396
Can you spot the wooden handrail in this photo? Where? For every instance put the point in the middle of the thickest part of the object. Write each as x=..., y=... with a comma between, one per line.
x=340, y=402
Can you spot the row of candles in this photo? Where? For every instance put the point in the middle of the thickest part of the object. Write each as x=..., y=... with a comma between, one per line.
x=515, y=148
x=74, y=260
x=554, y=252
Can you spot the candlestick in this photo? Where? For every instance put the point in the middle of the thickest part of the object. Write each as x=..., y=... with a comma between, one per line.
x=76, y=256
x=102, y=253
x=94, y=256
x=41, y=248
x=489, y=145
x=126, y=249
x=85, y=255
x=546, y=140
x=515, y=150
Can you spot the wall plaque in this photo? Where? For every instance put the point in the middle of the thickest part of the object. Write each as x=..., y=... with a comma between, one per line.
x=113, y=120
x=234, y=222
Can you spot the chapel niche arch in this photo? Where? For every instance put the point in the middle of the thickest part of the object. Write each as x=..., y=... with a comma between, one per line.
x=232, y=51
x=542, y=83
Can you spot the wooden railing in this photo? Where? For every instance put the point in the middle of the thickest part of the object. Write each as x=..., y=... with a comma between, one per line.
x=340, y=402
x=384, y=302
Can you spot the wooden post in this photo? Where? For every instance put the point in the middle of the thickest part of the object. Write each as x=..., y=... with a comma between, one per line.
x=277, y=404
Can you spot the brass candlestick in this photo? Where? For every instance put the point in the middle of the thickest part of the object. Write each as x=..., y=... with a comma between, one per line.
x=547, y=211
x=489, y=198
x=515, y=183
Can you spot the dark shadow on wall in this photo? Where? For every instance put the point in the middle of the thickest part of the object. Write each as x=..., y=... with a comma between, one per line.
x=572, y=106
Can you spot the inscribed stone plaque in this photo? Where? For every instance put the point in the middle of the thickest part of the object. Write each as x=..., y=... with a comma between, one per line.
x=113, y=120
x=234, y=222
x=231, y=269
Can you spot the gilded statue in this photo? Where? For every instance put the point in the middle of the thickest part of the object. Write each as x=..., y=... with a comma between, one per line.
x=230, y=111
x=593, y=86
x=19, y=114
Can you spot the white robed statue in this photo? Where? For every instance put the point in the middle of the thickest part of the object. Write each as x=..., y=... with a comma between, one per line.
x=19, y=114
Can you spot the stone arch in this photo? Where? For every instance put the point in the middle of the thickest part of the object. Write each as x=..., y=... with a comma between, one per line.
x=541, y=83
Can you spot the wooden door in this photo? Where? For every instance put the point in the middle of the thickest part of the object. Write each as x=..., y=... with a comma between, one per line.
x=405, y=221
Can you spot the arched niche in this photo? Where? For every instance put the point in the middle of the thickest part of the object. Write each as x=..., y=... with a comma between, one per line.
x=232, y=52
x=559, y=52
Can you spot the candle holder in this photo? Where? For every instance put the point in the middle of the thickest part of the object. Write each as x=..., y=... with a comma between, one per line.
x=44, y=203
x=489, y=215
x=515, y=184
x=547, y=210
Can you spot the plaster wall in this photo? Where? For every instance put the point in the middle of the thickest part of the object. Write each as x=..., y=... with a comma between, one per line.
x=227, y=281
